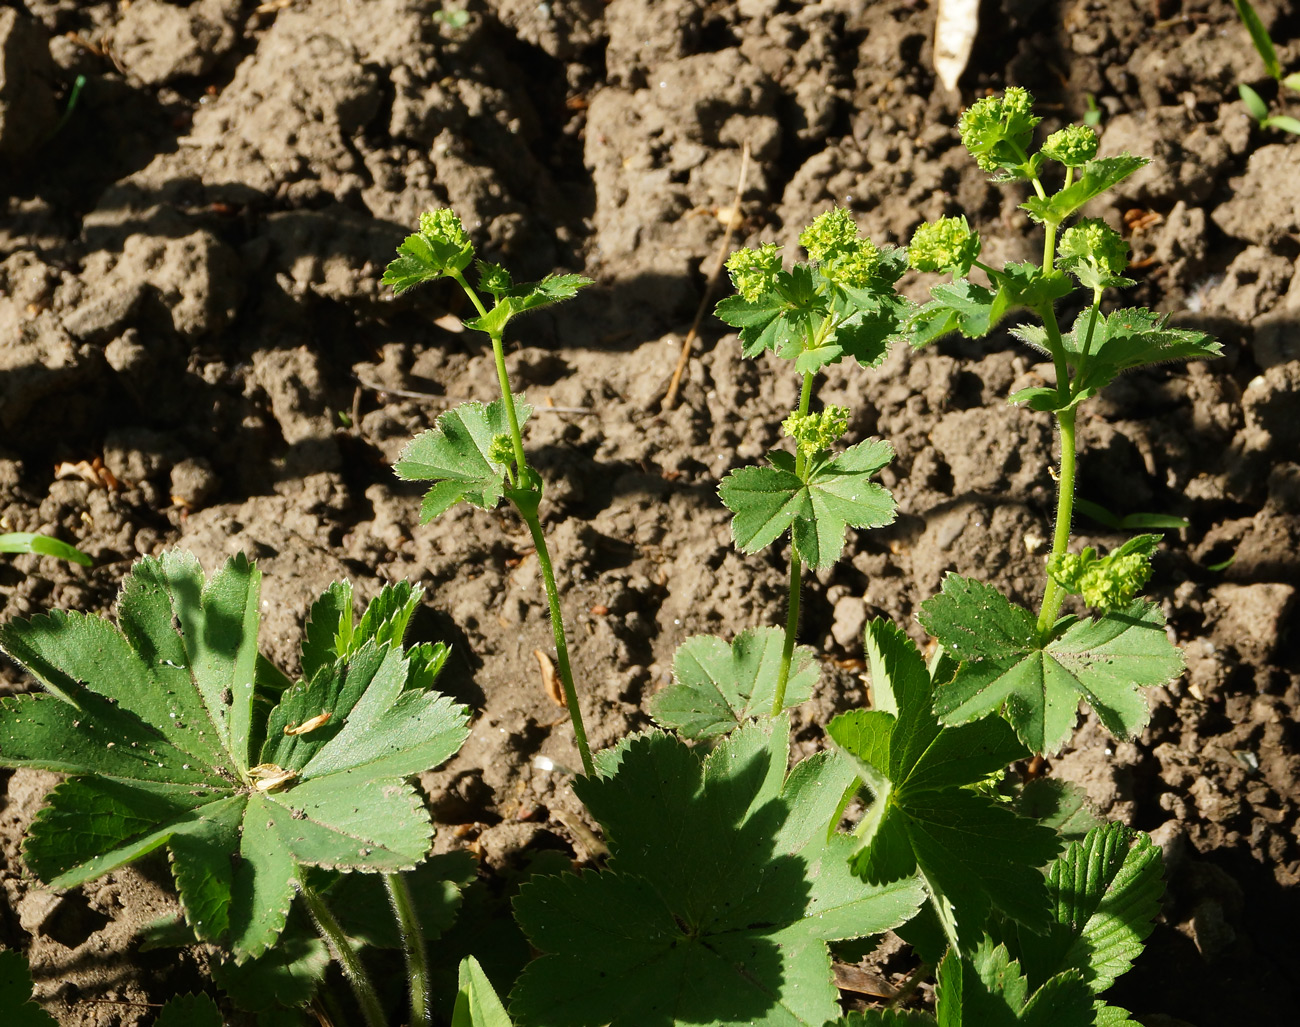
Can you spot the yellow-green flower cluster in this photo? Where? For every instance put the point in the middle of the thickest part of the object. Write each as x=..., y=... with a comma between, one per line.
x=944, y=245
x=1095, y=241
x=444, y=225
x=1072, y=146
x=815, y=432
x=501, y=450
x=998, y=130
x=833, y=242
x=1106, y=583
x=753, y=272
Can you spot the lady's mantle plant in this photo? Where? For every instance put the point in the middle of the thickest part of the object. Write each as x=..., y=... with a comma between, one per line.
x=1035, y=667
x=176, y=733
x=475, y=453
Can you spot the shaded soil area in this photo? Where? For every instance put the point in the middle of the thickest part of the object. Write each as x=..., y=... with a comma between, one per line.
x=195, y=350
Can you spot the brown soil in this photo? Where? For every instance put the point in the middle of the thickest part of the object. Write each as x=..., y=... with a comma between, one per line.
x=190, y=293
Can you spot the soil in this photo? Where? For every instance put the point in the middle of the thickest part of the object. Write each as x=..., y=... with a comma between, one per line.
x=190, y=305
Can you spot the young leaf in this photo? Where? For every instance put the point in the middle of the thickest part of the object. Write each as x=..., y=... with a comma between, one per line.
x=970, y=851
x=718, y=686
x=1254, y=102
x=722, y=890
x=1105, y=896
x=456, y=455
x=16, y=993
x=837, y=494
x=987, y=989
x=1006, y=665
x=975, y=311
x=1097, y=176
x=516, y=299
x=477, y=1004
x=26, y=542
x=156, y=721
x=1259, y=36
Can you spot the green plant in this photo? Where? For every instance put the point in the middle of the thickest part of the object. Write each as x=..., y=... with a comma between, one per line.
x=178, y=734
x=1034, y=669
x=475, y=453
x=26, y=542
x=1264, y=47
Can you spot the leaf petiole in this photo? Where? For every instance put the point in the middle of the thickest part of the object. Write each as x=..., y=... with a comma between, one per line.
x=796, y=568
x=417, y=956
x=341, y=947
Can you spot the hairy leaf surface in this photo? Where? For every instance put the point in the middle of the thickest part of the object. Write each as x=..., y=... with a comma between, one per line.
x=718, y=687
x=156, y=723
x=1006, y=665
x=837, y=494
x=970, y=851
x=456, y=455
x=722, y=890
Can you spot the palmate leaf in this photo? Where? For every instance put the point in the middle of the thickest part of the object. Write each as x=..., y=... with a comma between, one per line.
x=1105, y=896
x=974, y=310
x=987, y=989
x=970, y=851
x=1126, y=339
x=516, y=299
x=722, y=890
x=456, y=456
x=157, y=723
x=1037, y=683
x=190, y=1011
x=768, y=501
x=718, y=687
x=1097, y=176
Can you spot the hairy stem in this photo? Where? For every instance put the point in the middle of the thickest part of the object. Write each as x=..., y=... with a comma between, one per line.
x=417, y=957
x=1053, y=594
x=1092, y=327
x=362, y=987
x=561, y=646
x=531, y=518
x=796, y=573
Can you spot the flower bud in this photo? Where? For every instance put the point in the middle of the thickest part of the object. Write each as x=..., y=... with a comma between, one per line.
x=753, y=272
x=998, y=130
x=1072, y=146
x=501, y=450
x=1094, y=241
x=815, y=432
x=830, y=234
x=944, y=245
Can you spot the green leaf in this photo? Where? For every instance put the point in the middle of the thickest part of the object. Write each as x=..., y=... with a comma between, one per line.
x=885, y=1018
x=1282, y=121
x=155, y=720
x=456, y=455
x=1126, y=339
x=1254, y=102
x=16, y=993
x=1037, y=683
x=1060, y=805
x=425, y=258
x=975, y=311
x=970, y=851
x=1097, y=176
x=190, y=1011
x=1106, y=894
x=1292, y=81
x=1259, y=36
x=1129, y=522
x=477, y=1004
x=718, y=686
x=987, y=989
x=837, y=494
x=26, y=542
x=529, y=296
x=722, y=891
x=287, y=975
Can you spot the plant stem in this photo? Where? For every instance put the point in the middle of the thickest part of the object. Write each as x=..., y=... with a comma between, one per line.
x=796, y=573
x=1053, y=594
x=1057, y=348
x=417, y=957
x=362, y=987
x=532, y=519
x=561, y=646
